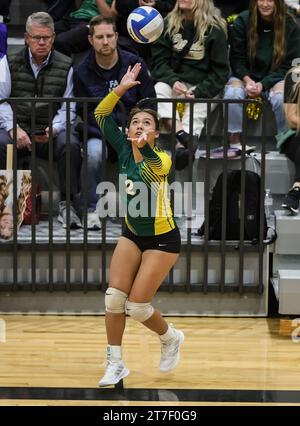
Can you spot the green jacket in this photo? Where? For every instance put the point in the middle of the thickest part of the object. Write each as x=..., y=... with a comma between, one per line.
x=205, y=65
x=261, y=69
x=87, y=10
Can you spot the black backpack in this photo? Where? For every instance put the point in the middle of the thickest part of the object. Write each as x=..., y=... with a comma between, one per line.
x=252, y=208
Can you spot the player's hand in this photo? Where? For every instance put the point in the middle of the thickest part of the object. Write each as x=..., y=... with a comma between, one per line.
x=143, y=138
x=130, y=78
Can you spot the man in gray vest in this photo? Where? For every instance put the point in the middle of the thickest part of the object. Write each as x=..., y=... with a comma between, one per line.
x=40, y=71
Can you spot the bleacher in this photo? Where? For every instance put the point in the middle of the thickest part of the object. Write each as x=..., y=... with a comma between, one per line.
x=81, y=265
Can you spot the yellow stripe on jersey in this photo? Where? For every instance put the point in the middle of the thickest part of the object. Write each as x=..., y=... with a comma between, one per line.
x=154, y=172
x=158, y=160
x=163, y=217
x=106, y=106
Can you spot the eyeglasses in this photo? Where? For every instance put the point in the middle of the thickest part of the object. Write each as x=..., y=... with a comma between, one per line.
x=38, y=38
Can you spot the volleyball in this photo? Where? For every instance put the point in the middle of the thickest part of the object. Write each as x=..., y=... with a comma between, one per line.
x=145, y=24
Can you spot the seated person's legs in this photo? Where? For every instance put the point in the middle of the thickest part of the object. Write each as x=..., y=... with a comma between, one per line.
x=60, y=147
x=164, y=109
x=276, y=100
x=59, y=153
x=200, y=114
x=165, y=112
x=235, y=90
x=94, y=173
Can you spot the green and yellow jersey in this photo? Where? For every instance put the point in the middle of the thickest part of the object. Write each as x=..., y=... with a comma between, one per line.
x=143, y=185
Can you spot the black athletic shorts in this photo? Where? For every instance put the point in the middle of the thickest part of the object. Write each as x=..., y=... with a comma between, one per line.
x=169, y=242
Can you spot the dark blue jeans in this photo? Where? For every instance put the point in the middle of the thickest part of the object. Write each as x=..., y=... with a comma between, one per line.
x=59, y=155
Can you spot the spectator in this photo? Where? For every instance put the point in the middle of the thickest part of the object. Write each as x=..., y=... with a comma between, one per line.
x=72, y=30
x=96, y=76
x=39, y=71
x=150, y=242
x=190, y=61
x=264, y=42
x=288, y=142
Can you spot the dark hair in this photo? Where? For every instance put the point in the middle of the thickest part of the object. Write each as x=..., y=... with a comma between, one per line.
x=149, y=111
x=98, y=20
x=279, y=41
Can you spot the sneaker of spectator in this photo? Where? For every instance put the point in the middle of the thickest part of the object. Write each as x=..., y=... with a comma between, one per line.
x=62, y=216
x=217, y=153
x=233, y=151
x=248, y=149
x=93, y=221
x=292, y=199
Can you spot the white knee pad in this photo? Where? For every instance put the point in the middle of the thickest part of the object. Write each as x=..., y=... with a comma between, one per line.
x=139, y=311
x=115, y=300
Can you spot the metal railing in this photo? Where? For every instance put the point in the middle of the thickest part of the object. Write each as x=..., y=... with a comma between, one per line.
x=65, y=244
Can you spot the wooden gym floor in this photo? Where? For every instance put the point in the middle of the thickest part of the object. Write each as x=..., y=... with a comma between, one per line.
x=58, y=360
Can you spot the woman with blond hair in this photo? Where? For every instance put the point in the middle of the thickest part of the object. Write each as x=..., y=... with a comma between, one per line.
x=288, y=142
x=264, y=41
x=190, y=60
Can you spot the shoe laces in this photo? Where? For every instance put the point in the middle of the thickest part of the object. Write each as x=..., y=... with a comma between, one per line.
x=63, y=208
x=168, y=350
x=170, y=347
x=112, y=367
